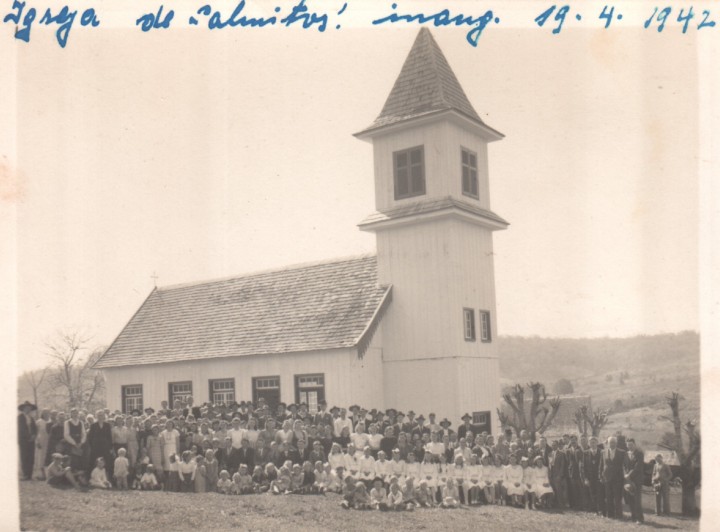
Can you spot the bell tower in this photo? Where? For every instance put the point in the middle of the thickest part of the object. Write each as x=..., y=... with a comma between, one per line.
x=434, y=231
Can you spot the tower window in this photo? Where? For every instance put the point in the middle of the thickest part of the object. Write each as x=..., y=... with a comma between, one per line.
x=469, y=173
x=485, y=334
x=409, y=173
x=469, y=324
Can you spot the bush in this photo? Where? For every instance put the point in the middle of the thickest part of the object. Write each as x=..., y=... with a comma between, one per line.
x=563, y=387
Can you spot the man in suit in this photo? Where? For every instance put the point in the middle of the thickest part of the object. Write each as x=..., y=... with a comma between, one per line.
x=575, y=486
x=634, y=473
x=246, y=455
x=590, y=474
x=612, y=474
x=323, y=416
x=27, y=431
x=559, y=474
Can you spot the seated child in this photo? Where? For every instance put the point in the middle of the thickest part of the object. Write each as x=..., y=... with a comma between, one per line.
x=450, y=494
x=61, y=475
x=224, y=484
x=260, y=480
x=361, y=499
x=297, y=478
x=246, y=482
x=321, y=478
x=334, y=478
x=395, y=497
x=378, y=495
x=283, y=482
x=408, y=494
x=424, y=495
x=271, y=472
x=98, y=477
x=348, y=492
x=121, y=470
x=308, y=478
x=148, y=481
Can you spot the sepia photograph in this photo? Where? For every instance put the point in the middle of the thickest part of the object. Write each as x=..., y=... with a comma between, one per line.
x=334, y=266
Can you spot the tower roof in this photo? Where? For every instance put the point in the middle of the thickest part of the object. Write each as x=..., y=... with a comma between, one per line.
x=426, y=85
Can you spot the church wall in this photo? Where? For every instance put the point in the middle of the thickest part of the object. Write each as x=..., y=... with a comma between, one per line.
x=436, y=268
x=348, y=379
x=448, y=387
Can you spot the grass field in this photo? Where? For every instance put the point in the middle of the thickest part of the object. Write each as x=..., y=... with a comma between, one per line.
x=45, y=508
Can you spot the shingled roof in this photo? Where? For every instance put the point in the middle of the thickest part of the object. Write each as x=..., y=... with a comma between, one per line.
x=304, y=308
x=426, y=85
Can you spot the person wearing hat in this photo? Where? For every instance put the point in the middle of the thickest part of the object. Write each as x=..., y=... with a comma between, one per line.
x=466, y=427
x=445, y=424
x=408, y=423
x=421, y=428
x=27, y=432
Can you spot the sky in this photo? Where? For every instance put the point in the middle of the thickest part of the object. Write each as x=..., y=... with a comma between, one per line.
x=189, y=156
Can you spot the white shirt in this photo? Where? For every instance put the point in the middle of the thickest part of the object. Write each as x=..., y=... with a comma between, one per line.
x=339, y=424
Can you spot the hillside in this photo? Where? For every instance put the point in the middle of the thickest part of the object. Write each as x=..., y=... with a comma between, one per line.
x=631, y=376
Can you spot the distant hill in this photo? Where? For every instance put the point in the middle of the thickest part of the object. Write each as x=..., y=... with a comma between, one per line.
x=631, y=376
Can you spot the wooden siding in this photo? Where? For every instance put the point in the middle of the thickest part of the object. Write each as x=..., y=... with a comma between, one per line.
x=442, y=142
x=348, y=379
x=448, y=387
x=436, y=269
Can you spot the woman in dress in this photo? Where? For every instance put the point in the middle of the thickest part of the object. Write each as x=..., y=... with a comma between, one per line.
x=542, y=489
x=169, y=439
x=41, y=444
x=513, y=481
x=74, y=435
x=133, y=445
x=56, y=436
x=251, y=432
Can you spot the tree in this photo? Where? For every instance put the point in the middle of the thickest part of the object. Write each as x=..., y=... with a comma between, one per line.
x=71, y=371
x=35, y=379
x=563, y=387
x=596, y=420
x=688, y=459
x=538, y=419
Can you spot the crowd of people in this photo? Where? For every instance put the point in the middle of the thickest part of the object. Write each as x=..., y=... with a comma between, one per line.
x=387, y=460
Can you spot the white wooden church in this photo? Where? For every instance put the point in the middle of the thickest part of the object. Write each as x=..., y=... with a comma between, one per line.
x=412, y=327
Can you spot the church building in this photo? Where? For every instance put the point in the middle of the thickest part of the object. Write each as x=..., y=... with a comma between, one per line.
x=412, y=327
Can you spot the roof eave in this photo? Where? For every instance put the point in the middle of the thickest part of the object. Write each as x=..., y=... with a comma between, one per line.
x=452, y=211
x=483, y=130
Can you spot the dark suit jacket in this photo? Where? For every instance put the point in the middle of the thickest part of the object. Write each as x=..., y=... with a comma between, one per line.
x=590, y=469
x=247, y=456
x=558, y=464
x=612, y=470
x=26, y=431
x=634, y=467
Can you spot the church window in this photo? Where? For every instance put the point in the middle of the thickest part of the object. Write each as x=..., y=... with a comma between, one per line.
x=310, y=389
x=409, y=173
x=469, y=324
x=179, y=391
x=469, y=173
x=485, y=334
x=132, y=398
x=222, y=391
x=267, y=388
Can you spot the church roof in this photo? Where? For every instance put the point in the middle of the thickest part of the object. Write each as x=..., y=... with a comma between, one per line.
x=426, y=85
x=303, y=308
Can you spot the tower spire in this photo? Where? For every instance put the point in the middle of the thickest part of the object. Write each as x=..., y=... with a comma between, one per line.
x=426, y=85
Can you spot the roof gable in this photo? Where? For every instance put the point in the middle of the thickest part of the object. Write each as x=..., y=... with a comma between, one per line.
x=426, y=84
x=304, y=308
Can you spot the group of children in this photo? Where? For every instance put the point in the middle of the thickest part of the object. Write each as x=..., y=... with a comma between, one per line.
x=363, y=481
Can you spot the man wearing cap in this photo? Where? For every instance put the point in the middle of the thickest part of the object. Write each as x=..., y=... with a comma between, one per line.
x=27, y=431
